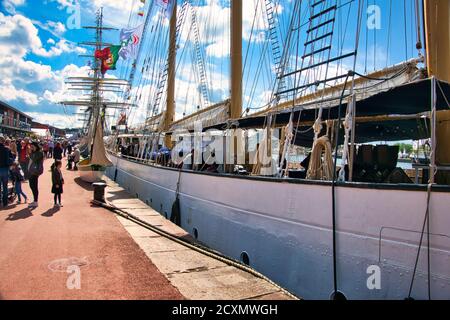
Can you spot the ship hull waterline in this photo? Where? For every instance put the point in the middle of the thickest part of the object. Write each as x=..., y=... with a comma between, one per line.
x=285, y=229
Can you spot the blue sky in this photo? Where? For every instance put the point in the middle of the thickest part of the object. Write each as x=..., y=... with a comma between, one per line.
x=41, y=49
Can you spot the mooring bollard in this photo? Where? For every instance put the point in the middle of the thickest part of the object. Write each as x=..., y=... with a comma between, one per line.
x=99, y=191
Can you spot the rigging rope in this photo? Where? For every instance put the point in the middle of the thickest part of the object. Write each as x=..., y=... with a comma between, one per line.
x=318, y=169
x=426, y=223
x=333, y=189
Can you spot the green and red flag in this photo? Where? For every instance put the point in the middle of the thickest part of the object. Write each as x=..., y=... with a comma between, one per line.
x=109, y=57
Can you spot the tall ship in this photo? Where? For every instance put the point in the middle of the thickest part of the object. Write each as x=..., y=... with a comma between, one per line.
x=94, y=105
x=301, y=180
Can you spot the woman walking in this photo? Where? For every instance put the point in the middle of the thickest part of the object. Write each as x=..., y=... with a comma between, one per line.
x=35, y=169
x=75, y=157
x=51, y=145
x=13, y=148
x=24, y=158
x=58, y=152
x=57, y=182
x=17, y=178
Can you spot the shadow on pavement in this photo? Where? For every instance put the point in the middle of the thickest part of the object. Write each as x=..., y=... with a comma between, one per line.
x=50, y=212
x=18, y=215
x=85, y=185
x=116, y=195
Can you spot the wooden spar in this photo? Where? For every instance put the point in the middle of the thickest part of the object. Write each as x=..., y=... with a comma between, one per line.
x=236, y=59
x=363, y=119
x=337, y=89
x=169, y=115
x=437, y=26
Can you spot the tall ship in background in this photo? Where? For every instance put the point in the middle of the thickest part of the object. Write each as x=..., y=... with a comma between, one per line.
x=351, y=224
x=93, y=106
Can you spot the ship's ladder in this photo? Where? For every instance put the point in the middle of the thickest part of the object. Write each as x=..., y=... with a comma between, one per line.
x=271, y=9
x=200, y=60
x=317, y=58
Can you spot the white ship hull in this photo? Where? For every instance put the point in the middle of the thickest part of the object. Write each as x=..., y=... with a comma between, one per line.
x=286, y=228
x=87, y=174
x=91, y=176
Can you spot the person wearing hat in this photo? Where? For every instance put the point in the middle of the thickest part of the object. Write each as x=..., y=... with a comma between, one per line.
x=6, y=160
x=75, y=157
x=35, y=169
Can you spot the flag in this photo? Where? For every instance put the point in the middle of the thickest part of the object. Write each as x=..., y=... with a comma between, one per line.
x=162, y=3
x=109, y=57
x=122, y=119
x=167, y=5
x=130, y=40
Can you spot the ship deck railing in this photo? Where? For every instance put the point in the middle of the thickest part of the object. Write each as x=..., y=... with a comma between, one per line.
x=413, y=186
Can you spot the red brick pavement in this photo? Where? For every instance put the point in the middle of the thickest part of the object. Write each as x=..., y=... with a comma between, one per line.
x=44, y=249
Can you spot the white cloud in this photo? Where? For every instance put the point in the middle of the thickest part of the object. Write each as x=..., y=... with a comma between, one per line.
x=116, y=12
x=17, y=69
x=18, y=36
x=65, y=3
x=10, y=5
x=30, y=84
x=214, y=25
x=62, y=46
x=59, y=91
x=57, y=29
x=220, y=49
x=55, y=119
x=26, y=73
x=17, y=2
x=9, y=93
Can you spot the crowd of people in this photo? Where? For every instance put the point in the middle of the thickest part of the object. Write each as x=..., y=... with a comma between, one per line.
x=22, y=160
x=163, y=156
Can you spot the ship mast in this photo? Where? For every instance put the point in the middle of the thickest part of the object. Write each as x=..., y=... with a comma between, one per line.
x=437, y=26
x=96, y=105
x=236, y=59
x=170, y=109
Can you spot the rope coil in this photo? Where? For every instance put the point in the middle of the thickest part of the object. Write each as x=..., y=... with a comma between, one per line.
x=321, y=169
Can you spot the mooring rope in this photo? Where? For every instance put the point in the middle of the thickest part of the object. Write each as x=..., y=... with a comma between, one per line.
x=194, y=246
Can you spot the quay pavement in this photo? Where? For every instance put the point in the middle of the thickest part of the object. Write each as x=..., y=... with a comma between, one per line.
x=81, y=251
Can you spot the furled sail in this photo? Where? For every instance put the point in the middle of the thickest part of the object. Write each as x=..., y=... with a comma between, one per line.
x=99, y=156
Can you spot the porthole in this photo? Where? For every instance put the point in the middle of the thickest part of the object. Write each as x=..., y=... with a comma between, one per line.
x=245, y=259
x=195, y=232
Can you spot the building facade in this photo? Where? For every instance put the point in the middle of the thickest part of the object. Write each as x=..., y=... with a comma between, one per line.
x=49, y=130
x=14, y=122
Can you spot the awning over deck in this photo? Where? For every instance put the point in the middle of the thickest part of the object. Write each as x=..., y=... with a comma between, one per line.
x=393, y=115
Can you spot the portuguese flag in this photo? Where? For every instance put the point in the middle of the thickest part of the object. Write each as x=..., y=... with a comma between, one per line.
x=109, y=57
